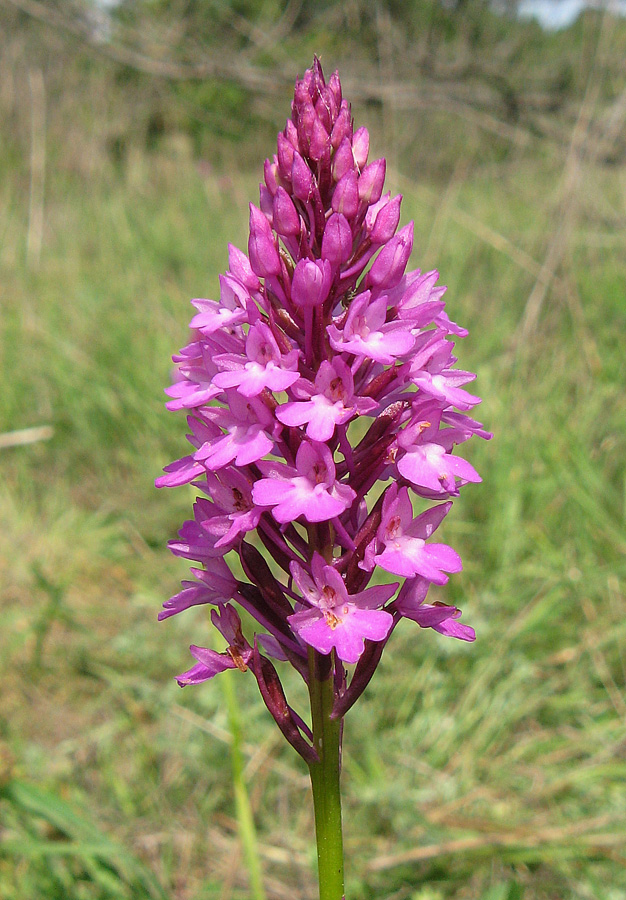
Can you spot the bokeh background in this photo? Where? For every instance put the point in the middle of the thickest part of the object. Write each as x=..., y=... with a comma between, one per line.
x=132, y=137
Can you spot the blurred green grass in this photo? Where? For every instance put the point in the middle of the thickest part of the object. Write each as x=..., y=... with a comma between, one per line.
x=495, y=771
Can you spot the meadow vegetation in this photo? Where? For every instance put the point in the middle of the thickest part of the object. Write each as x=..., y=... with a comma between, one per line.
x=492, y=771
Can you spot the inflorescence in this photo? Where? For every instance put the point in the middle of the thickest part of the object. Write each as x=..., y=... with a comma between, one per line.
x=323, y=400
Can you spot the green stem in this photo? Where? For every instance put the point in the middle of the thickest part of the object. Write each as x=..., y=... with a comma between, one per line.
x=325, y=784
x=245, y=820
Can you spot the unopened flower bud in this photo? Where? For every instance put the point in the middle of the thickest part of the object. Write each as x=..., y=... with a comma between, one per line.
x=371, y=181
x=302, y=97
x=266, y=203
x=346, y=195
x=305, y=119
x=386, y=221
x=302, y=179
x=270, y=173
x=311, y=282
x=318, y=80
x=285, y=152
x=326, y=109
x=361, y=146
x=334, y=86
x=319, y=140
x=239, y=266
x=342, y=127
x=291, y=133
x=389, y=265
x=286, y=218
x=264, y=257
x=343, y=161
x=337, y=240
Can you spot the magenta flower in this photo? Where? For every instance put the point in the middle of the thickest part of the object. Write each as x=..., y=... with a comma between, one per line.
x=367, y=334
x=323, y=399
x=438, y=616
x=428, y=461
x=331, y=402
x=403, y=539
x=232, y=512
x=309, y=490
x=333, y=619
x=210, y=662
x=215, y=585
x=262, y=367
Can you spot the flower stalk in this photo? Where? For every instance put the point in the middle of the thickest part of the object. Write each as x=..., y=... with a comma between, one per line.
x=325, y=777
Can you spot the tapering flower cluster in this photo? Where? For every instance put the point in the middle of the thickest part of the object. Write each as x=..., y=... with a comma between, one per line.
x=323, y=397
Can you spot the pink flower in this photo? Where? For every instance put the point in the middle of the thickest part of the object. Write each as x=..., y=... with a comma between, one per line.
x=310, y=489
x=431, y=371
x=263, y=367
x=366, y=332
x=230, y=311
x=438, y=616
x=246, y=438
x=194, y=385
x=426, y=462
x=334, y=619
x=332, y=402
x=232, y=513
x=405, y=551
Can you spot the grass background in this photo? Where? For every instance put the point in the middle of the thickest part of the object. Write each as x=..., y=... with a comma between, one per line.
x=487, y=772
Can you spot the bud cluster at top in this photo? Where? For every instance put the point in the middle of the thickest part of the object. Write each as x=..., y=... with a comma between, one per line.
x=322, y=397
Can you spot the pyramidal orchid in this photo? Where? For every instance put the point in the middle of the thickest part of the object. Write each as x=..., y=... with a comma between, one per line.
x=323, y=404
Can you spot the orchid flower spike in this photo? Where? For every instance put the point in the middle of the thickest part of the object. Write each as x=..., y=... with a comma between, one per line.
x=323, y=401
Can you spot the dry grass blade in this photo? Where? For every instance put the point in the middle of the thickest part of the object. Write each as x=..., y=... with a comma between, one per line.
x=37, y=167
x=600, y=663
x=570, y=186
x=599, y=842
x=24, y=436
x=448, y=207
x=236, y=70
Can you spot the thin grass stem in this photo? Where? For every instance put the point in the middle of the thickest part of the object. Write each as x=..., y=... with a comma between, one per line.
x=245, y=819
